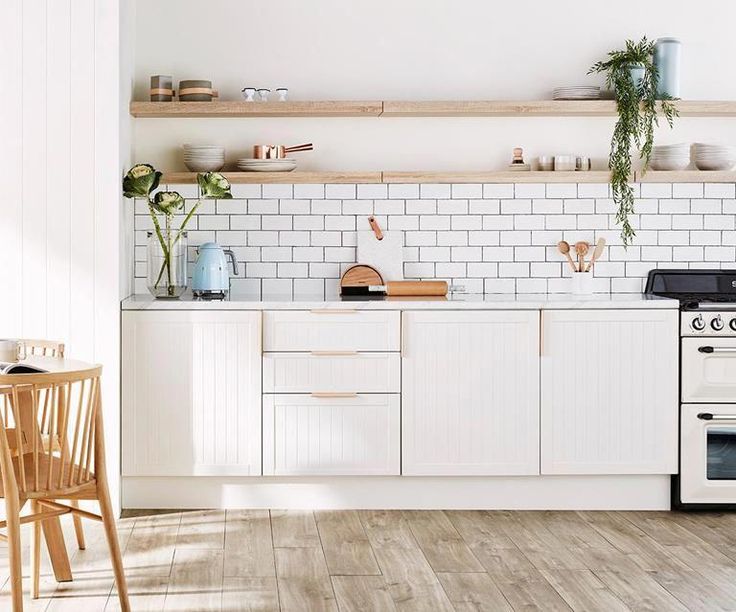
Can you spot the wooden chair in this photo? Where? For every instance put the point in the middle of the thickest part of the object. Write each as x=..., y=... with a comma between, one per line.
x=53, y=348
x=42, y=474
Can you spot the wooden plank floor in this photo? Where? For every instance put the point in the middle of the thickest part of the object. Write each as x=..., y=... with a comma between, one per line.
x=402, y=561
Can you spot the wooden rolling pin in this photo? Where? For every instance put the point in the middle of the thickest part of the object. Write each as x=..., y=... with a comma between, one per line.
x=400, y=288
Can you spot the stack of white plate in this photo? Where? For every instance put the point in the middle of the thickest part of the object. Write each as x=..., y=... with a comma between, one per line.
x=204, y=158
x=581, y=92
x=713, y=157
x=266, y=165
x=670, y=157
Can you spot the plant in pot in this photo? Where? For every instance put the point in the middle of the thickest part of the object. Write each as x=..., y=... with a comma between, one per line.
x=633, y=76
x=167, y=246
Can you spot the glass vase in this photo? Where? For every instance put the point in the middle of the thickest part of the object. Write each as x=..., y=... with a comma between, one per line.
x=167, y=275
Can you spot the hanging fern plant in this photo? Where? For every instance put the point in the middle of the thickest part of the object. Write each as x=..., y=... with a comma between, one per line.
x=631, y=73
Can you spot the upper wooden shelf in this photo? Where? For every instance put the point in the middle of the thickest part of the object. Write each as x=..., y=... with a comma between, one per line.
x=437, y=108
x=536, y=176
x=323, y=108
x=542, y=108
x=686, y=176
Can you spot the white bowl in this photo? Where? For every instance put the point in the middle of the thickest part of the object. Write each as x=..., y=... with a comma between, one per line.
x=657, y=164
x=714, y=165
x=204, y=166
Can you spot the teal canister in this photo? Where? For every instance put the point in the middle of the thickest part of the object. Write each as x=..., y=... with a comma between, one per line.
x=667, y=52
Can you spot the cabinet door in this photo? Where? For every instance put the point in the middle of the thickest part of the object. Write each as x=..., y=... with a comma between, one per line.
x=331, y=434
x=609, y=391
x=191, y=393
x=470, y=393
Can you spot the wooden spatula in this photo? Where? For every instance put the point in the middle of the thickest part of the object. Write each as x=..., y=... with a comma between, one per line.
x=564, y=248
x=597, y=252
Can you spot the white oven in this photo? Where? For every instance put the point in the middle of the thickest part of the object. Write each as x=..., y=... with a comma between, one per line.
x=708, y=370
x=708, y=454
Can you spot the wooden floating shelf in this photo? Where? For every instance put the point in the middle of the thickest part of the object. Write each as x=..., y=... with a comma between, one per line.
x=686, y=176
x=239, y=178
x=324, y=108
x=594, y=176
x=436, y=108
x=497, y=177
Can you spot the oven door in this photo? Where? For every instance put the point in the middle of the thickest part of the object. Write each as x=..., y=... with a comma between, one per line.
x=708, y=370
x=708, y=454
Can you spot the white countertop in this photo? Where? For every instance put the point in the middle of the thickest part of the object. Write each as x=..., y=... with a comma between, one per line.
x=531, y=301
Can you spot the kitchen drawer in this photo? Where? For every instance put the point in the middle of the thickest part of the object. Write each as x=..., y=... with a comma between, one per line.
x=331, y=371
x=331, y=330
x=339, y=435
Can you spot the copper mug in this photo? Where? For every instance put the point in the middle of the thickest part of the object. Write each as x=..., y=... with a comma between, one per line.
x=278, y=151
x=12, y=351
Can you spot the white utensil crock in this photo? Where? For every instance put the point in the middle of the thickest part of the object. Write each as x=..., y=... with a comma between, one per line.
x=582, y=283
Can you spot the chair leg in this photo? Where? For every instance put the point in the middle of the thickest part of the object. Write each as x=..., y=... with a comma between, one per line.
x=12, y=510
x=78, y=526
x=108, y=520
x=35, y=552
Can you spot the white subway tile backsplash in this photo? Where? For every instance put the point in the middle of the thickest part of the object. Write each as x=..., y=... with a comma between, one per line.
x=403, y=192
x=435, y=191
x=309, y=192
x=656, y=190
x=341, y=192
x=516, y=207
x=372, y=192
x=720, y=190
x=467, y=191
x=529, y=190
x=278, y=191
x=485, y=207
x=687, y=190
x=592, y=190
x=244, y=192
x=492, y=237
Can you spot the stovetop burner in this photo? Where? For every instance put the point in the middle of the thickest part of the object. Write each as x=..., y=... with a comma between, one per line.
x=695, y=289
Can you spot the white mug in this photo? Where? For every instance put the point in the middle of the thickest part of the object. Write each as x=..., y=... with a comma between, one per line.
x=12, y=351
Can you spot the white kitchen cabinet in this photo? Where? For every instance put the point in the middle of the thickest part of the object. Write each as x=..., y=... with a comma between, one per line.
x=191, y=393
x=609, y=391
x=331, y=434
x=470, y=393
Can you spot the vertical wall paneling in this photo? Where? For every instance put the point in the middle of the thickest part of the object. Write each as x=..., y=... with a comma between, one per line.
x=11, y=219
x=60, y=211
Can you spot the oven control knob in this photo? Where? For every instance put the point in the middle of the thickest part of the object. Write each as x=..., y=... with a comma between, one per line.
x=717, y=323
x=732, y=324
x=698, y=324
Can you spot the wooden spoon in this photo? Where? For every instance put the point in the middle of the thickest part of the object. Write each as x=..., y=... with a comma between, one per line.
x=597, y=252
x=581, y=248
x=564, y=248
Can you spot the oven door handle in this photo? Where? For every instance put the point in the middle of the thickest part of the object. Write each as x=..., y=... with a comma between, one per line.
x=717, y=349
x=709, y=416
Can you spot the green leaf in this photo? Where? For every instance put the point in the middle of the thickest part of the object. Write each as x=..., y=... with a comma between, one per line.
x=214, y=185
x=140, y=181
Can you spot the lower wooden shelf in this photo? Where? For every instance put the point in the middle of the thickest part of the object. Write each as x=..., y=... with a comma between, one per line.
x=239, y=178
x=594, y=176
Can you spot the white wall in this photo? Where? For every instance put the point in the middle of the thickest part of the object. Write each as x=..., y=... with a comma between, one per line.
x=60, y=209
x=416, y=49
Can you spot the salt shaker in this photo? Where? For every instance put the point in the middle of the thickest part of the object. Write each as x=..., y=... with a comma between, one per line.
x=282, y=93
x=249, y=93
x=263, y=94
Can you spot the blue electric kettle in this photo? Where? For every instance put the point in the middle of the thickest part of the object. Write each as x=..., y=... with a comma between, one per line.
x=211, y=277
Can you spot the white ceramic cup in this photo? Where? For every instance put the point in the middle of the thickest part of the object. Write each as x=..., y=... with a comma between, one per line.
x=582, y=283
x=12, y=351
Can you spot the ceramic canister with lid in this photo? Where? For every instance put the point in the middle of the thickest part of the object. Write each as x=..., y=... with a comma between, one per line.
x=667, y=53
